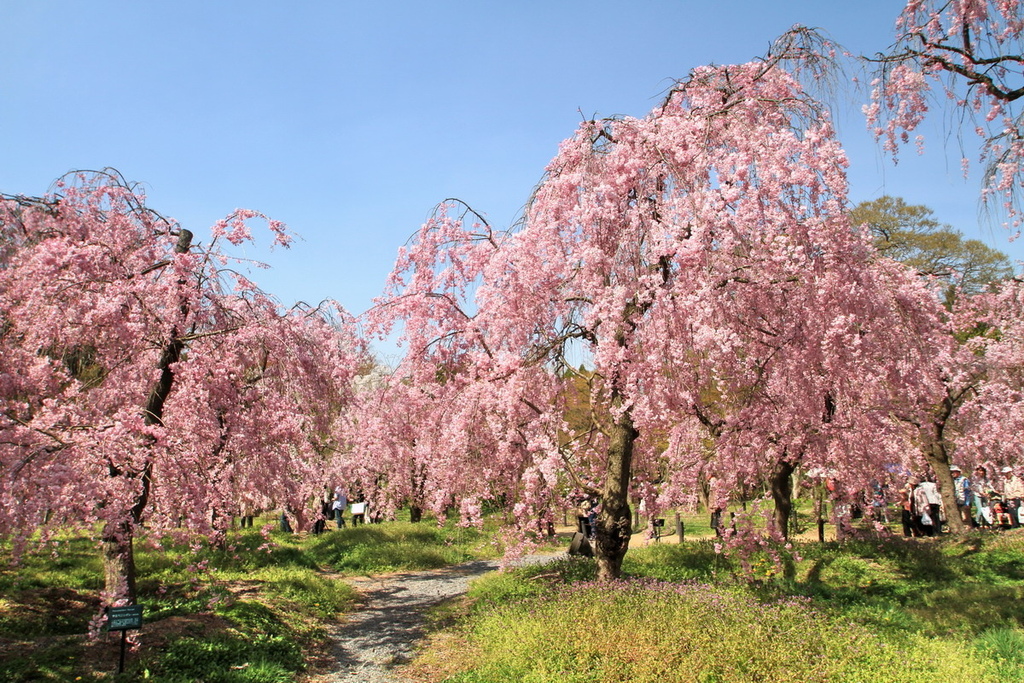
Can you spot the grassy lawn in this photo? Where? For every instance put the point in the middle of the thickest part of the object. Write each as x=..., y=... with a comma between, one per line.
x=256, y=611
x=250, y=611
x=861, y=611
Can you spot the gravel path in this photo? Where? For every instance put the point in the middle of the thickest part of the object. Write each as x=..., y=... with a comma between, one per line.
x=384, y=632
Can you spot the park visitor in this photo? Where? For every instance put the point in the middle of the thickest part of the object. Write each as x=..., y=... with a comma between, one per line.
x=1013, y=492
x=923, y=519
x=320, y=524
x=358, y=513
x=962, y=494
x=982, y=488
x=1000, y=516
x=934, y=498
x=906, y=510
x=339, y=505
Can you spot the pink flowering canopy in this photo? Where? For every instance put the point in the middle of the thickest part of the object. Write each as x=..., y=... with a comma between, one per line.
x=993, y=412
x=700, y=260
x=970, y=54
x=142, y=382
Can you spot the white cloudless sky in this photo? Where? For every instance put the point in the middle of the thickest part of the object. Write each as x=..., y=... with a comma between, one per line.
x=349, y=121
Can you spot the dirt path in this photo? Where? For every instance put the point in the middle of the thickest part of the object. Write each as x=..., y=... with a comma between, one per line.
x=385, y=631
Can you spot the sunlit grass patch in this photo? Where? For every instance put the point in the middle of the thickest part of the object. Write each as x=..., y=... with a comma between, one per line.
x=499, y=588
x=663, y=633
x=322, y=596
x=400, y=546
x=970, y=608
x=1004, y=648
x=872, y=609
x=696, y=560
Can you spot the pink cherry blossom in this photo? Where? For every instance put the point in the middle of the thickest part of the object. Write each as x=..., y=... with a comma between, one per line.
x=969, y=50
x=141, y=385
x=689, y=285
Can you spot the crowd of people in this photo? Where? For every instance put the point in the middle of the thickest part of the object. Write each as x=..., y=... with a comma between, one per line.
x=981, y=501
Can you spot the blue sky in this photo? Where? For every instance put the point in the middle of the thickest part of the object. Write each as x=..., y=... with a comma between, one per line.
x=350, y=121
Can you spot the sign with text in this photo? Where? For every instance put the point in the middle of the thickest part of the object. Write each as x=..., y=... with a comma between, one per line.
x=124, y=618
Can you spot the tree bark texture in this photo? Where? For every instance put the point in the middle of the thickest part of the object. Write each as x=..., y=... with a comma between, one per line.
x=613, y=527
x=119, y=561
x=782, y=494
x=937, y=455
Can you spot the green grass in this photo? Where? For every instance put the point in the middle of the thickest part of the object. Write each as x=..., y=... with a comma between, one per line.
x=245, y=611
x=691, y=632
x=866, y=610
x=257, y=647
x=400, y=546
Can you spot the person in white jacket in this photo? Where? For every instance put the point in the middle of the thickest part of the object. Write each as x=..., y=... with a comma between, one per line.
x=1013, y=494
x=934, y=502
x=922, y=511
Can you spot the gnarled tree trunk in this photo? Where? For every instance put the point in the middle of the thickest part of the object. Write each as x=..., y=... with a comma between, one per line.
x=938, y=457
x=613, y=527
x=119, y=561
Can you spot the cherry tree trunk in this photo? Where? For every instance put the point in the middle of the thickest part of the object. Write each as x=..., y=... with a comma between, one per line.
x=118, y=537
x=613, y=526
x=938, y=457
x=782, y=494
x=419, y=480
x=119, y=561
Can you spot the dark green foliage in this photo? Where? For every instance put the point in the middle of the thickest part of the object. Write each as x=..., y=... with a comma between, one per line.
x=910, y=234
x=258, y=647
x=56, y=663
x=230, y=659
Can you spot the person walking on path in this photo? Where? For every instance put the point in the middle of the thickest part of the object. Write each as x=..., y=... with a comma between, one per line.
x=359, y=513
x=906, y=510
x=338, y=505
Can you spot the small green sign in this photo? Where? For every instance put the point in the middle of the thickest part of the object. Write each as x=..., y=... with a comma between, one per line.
x=124, y=618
